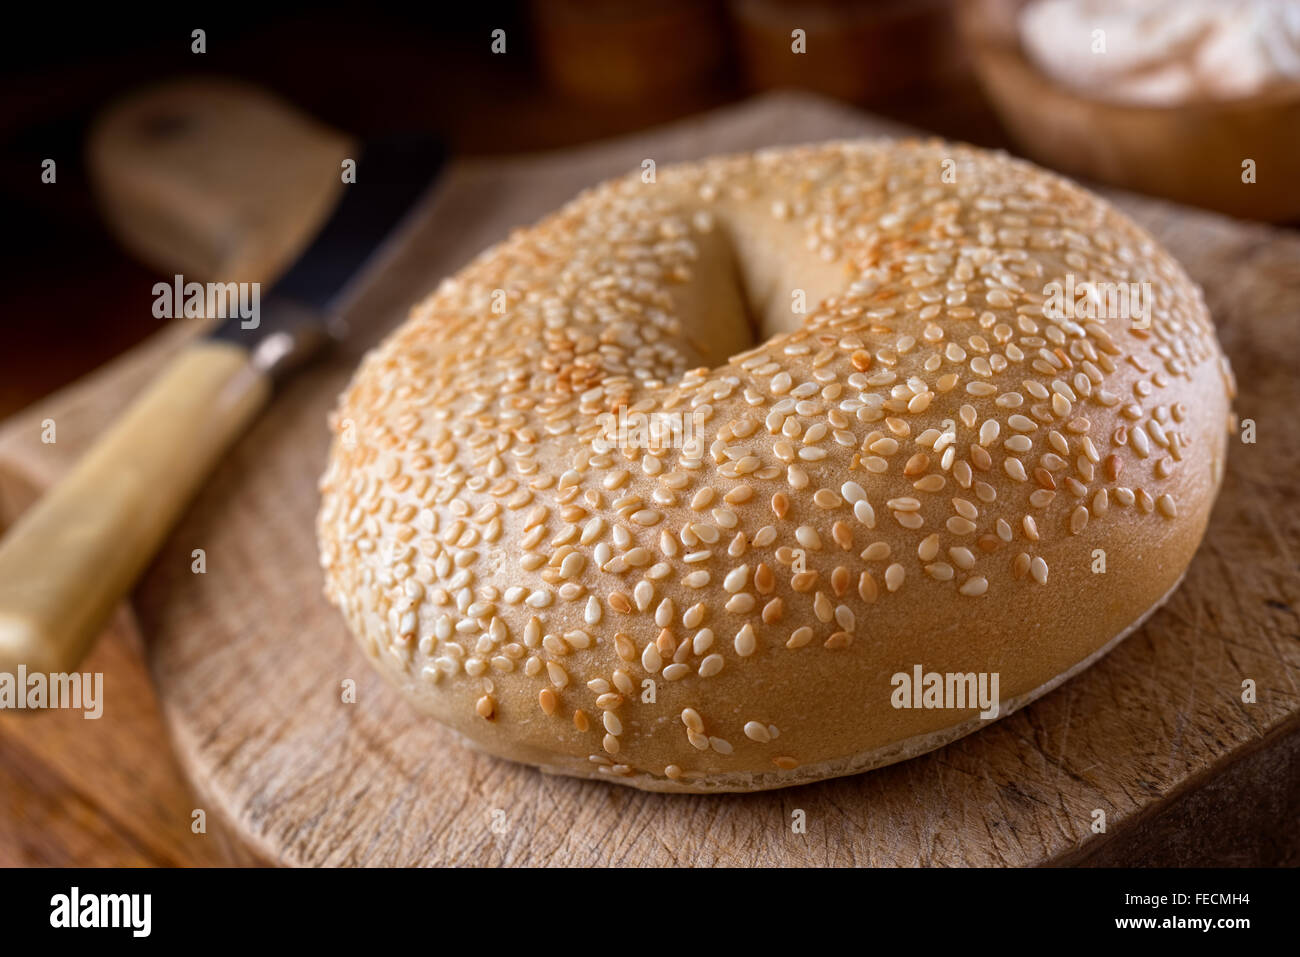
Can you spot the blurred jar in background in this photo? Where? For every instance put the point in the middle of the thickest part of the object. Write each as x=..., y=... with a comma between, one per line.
x=669, y=53
x=857, y=50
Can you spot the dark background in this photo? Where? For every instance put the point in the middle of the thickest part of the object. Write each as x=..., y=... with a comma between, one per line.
x=70, y=298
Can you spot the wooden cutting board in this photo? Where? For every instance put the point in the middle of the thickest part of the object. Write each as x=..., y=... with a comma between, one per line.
x=250, y=662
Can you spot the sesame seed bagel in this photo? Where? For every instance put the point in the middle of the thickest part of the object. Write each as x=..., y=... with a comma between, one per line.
x=667, y=489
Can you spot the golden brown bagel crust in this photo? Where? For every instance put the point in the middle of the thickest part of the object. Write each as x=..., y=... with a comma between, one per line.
x=920, y=470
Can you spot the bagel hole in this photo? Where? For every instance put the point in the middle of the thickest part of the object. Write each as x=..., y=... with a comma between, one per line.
x=772, y=283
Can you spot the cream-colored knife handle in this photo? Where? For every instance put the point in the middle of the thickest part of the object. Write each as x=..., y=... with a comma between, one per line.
x=71, y=557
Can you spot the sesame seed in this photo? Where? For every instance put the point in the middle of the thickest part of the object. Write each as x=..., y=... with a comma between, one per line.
x=1078, y=519
x=825, y=498
x=963, y=558
x=746, y=644
x=799, y=637
x=736, y=579
x=864, y=513
x=1015, y=469
x=839, y=639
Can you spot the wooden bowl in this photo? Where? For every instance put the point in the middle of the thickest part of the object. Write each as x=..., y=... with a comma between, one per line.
x=1193, y=153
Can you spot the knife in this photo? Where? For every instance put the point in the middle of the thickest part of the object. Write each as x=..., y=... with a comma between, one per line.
x=76, y=552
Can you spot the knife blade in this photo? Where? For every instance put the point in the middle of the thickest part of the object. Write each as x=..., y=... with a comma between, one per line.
x=300, y=312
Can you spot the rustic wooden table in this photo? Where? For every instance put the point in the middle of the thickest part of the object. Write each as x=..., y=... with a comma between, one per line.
x=108, y=791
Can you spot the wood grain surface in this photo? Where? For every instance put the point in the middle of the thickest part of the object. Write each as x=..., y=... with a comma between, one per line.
x=249, y=661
